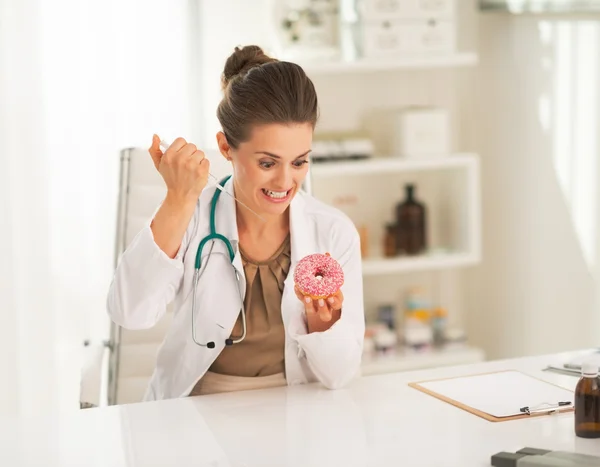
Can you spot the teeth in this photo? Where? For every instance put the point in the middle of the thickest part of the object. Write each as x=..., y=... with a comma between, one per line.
x=276, y=194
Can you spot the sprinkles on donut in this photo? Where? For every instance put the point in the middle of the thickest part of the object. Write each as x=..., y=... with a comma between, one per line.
x=318, y=276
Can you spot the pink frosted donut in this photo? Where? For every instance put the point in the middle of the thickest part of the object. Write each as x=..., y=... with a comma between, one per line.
x=318, y=275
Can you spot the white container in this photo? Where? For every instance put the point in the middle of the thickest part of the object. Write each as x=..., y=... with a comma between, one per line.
x=431, y=8
x=431, y=36
x=396, y=38
x=406, y=9
x=422, y=133
x=383, y=38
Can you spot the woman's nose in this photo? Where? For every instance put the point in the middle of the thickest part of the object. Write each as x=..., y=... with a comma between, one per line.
x=284, y=179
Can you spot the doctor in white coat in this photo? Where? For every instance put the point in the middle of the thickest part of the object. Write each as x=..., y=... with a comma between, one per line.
x=250, y=326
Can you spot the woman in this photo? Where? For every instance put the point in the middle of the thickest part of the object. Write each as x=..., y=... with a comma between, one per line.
x=268, y=114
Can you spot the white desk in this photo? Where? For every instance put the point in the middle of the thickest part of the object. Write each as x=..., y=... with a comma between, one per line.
x=377, y=421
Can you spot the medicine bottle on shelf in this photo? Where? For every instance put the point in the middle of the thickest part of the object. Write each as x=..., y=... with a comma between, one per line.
x=389, y=241
x=587, y=402
x=411, y=224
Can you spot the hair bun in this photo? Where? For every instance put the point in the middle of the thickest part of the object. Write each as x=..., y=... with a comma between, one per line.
x=242, y=60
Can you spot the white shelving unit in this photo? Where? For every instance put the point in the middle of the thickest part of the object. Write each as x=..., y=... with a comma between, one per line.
x=405, y=360
x=449, y=186
x=466, y=164
x=433, y=262
x=459, y=59
x=464, y=168
x=380, y=165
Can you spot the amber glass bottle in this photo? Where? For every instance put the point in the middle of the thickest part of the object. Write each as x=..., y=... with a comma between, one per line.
x=389, y=241
x=410, y=224
x=587, y=402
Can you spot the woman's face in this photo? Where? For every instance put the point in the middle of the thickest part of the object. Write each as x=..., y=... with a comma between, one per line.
x=271, y=166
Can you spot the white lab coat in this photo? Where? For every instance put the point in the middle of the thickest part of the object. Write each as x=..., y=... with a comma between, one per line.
x=147, y=280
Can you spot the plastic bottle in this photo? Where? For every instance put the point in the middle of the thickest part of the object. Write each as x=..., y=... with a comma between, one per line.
x=438, y=324
x=587, y=402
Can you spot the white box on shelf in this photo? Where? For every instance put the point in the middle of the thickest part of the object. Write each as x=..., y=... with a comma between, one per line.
x=403, y=9
x=431, y=8
x=431, y=35
x=422, y=132
x=398, y=37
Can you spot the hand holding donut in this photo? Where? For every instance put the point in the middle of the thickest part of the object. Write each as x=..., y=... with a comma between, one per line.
x=321, y=314
x=318, y=280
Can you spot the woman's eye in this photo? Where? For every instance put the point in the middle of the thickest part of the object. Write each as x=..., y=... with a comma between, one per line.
x=267, y=165
x=300, y=163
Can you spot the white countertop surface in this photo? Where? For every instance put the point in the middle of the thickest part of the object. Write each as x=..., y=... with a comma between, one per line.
x=376, y=421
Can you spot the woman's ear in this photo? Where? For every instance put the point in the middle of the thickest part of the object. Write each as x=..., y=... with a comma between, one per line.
x=224, y=147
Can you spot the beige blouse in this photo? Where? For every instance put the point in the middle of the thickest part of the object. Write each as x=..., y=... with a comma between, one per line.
x=261, y=353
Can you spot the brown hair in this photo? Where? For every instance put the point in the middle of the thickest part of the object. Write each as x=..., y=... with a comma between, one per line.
x=259, y=90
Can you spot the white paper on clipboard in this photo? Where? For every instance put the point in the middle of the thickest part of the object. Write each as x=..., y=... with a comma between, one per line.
x=500, y=394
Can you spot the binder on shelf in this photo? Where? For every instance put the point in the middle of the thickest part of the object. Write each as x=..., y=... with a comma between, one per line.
x=500, y=396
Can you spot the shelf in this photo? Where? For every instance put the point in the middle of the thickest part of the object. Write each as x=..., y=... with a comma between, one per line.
x=540, y=6
x=406, y=360
x=462, y=252
x=380, y=266
x=379, y=165
x=457, y=59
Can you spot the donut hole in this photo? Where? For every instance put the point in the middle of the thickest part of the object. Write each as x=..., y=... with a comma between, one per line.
x=319, y=275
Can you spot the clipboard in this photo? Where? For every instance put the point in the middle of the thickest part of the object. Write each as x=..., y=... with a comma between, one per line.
x=500, y=396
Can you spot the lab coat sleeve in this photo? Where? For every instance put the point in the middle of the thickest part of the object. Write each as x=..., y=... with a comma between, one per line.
x=334, y=355
x=146, y=280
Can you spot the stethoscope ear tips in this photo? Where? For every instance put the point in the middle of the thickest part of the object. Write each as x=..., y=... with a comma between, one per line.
x=210, y=345
x=228, y=341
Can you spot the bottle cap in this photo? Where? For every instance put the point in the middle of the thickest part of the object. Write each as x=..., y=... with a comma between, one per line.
x=589, y=368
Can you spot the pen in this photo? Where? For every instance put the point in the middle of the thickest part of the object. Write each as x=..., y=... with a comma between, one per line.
x=549, y=408
x=165, y=146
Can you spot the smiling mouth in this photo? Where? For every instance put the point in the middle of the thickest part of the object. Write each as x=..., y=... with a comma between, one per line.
x=276, y=194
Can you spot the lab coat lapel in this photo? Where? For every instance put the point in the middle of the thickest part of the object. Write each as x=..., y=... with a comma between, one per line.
x=301, y=238
x=302, y=244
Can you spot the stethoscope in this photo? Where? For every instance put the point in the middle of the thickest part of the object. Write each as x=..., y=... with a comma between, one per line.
x=213, y=235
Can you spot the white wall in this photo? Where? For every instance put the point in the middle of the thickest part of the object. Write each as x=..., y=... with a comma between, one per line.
x=223, y=25
x=79, y=81
x=538, y=111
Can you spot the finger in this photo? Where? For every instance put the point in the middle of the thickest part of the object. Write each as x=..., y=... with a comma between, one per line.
x=197, y=157
x=336, y=300
x=187, y=150
x=308, y=306
x=203, y=169
x=300, y=294
x=323, y=310
x=177, y=144
x=334, y=303
x=155, y=151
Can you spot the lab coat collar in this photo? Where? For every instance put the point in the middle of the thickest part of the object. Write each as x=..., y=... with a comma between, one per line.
x=226, y=224
x=299, y=231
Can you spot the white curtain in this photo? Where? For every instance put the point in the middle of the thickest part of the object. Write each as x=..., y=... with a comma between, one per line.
x=79, y=81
